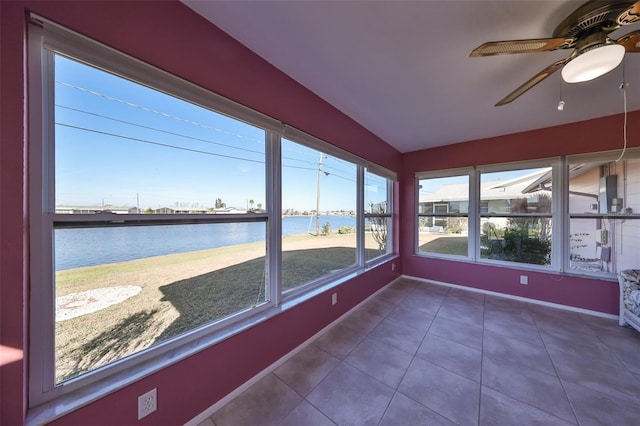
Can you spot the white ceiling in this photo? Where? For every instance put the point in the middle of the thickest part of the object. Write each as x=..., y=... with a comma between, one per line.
x=402, y=68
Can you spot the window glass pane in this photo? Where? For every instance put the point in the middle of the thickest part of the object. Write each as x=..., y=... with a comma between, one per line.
x=124, y=147
x=515, y=210
x=516, y=240
x=318, y=214
x=377, y=216
x=443, y=223
x=120, y=290
x=377, y=239
x=517, y=191
x=604, y=202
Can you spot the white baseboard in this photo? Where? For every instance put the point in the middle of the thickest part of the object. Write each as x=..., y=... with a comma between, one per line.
x=519, y=298
x=246, y=385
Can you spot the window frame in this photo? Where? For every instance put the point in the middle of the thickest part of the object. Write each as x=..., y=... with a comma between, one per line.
x=471, y=216
x=556, y=207
x=301, y=138
x=45, y=40
x=610, y=157
x=475, y=214
x=48, y=42
x=388, y=215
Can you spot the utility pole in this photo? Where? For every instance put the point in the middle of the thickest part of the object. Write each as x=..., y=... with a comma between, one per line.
x=318, y=196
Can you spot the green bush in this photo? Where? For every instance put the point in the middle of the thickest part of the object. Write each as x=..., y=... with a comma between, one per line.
x=326, y=228
x=517, y=246
x=346, y=230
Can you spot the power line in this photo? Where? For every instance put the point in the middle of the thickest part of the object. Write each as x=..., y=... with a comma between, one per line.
x=186, y=149
x=179, y=134
x=158, y=130
x=151, y=110
x=157, y=143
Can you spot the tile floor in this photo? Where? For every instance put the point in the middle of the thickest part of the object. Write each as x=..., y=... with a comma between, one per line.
x=422, y=354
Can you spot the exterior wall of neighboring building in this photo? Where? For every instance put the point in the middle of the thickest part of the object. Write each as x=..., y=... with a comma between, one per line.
x=620, y=238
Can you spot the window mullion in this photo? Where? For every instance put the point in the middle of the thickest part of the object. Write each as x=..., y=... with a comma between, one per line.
x=274, y=224
x=474, y=215
x=560, y=210
x=41, y=130
x=360, y=210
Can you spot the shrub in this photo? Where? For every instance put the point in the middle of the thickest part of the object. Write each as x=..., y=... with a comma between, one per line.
x=346, y=230
x=326, y=228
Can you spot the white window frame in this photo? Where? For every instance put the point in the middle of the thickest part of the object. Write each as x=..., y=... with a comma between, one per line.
x=390, y=180
x=474, y=214
x=556, y=209
x=299, y=137
x=48, y=400
x=609, y=156
x=45, y=43
x=471, y=214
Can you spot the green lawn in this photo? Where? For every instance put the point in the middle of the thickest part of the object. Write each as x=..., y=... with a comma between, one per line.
x=447, y=245
x=180, y=293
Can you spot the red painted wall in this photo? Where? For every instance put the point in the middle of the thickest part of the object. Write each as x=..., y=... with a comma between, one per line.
x=172, y=37
x=587, y=136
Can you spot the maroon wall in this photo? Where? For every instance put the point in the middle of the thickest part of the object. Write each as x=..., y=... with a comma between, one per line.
x=601, y=134
x=172, y=37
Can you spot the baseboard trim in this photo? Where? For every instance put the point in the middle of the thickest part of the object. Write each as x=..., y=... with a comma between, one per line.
x=512, y=297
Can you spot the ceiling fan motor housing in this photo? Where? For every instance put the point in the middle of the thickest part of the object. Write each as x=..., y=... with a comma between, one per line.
x=596, y=16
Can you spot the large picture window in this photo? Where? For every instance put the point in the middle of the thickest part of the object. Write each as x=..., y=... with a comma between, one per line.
x=576, y=215
x=497, y=214
x=131, y=166
x=604, y=202
x=165, y=218
x=319, y=227
x=515, y=215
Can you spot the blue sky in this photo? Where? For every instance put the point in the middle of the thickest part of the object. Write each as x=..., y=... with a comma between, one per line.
x=117, y=141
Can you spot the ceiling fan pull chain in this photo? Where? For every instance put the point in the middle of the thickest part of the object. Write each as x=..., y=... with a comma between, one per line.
x=561, y=101
x=623, y=87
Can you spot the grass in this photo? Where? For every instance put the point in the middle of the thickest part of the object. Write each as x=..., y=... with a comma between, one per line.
x=447, y=245
x=180, y=292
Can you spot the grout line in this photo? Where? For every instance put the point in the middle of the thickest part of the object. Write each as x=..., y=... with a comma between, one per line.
x=484, y=313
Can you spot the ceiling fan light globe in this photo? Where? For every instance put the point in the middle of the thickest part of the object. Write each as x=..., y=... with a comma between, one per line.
x=593, y=63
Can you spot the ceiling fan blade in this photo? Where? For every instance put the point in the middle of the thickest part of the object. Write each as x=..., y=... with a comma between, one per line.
x=533, y=81
x=508, y=47
x=631, y=41
x=631, y=15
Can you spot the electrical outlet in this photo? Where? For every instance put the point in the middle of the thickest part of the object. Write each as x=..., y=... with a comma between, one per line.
x=393, y=266
x=147, y=403
x=334, y=299
x=524, y=280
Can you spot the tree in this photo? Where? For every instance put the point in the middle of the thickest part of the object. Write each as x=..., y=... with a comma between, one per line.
x=219, y=204
x=379, y=225
x=251, y=204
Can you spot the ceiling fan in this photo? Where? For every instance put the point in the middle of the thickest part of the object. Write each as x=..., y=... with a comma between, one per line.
x=586, y=30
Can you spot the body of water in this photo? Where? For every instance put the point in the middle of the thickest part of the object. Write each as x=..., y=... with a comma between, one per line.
x=80, y=247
